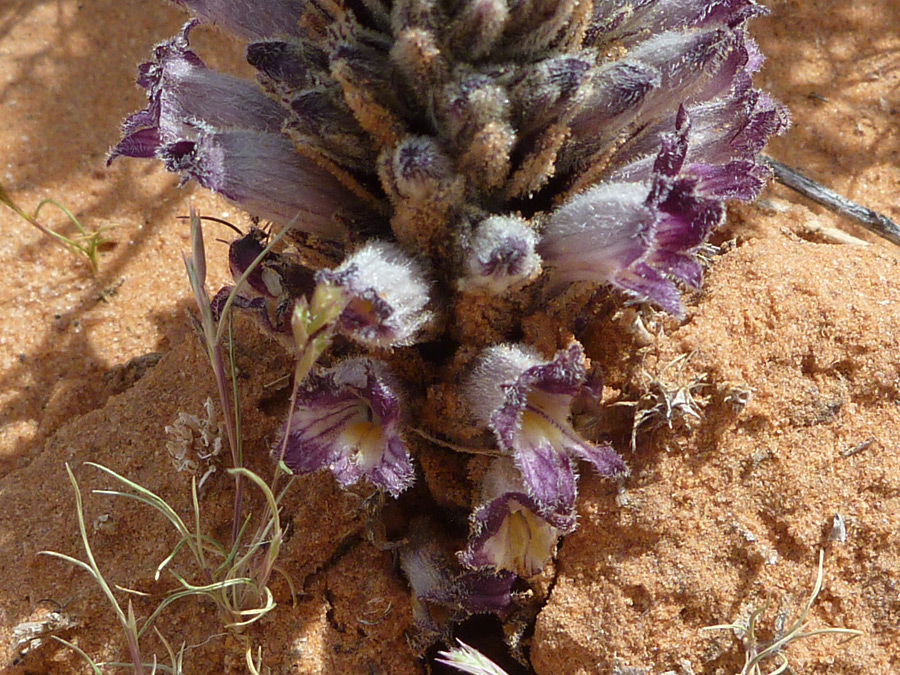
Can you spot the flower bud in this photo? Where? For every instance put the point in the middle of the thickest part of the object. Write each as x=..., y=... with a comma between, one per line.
x=387, y=293
x=500, y=255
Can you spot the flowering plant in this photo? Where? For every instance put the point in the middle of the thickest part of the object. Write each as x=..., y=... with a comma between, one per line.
x=451, y=171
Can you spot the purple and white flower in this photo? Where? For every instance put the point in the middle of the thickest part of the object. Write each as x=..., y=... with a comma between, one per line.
x=526, y=402
x=511, y=530
x=349, y=420
x=226, y=133
x=388, y=296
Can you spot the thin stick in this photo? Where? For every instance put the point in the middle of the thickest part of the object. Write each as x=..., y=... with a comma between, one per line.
x=859, y=447
x=216, y=220
x=490, y=452
x=872, y=220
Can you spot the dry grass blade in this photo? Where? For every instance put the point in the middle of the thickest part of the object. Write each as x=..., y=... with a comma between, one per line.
x=87, y=244
x=757, y=653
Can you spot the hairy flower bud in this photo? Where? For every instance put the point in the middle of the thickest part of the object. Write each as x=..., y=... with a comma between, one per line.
x=552, y=91
x=419, y=169
x=387, y=293
x=500, y=255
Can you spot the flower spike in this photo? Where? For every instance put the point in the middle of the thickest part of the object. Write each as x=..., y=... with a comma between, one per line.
x=468, y=161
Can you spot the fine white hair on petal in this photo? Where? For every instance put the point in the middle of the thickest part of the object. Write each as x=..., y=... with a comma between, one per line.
x=497, y=369
x=392, y=290
x=500, y=255
x=264, y=174
x=252, y=19
x=599, y=232
x=193, y=94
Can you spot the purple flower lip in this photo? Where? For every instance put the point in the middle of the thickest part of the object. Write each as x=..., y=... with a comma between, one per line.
x=227, y=134
x=348, y=420
x=185, y=97
x=526, y=401
x=443, y=593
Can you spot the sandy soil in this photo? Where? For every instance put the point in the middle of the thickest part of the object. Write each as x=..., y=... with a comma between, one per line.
x=790, y=353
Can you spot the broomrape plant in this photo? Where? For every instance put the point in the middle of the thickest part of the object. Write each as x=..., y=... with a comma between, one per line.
x=446, y=178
